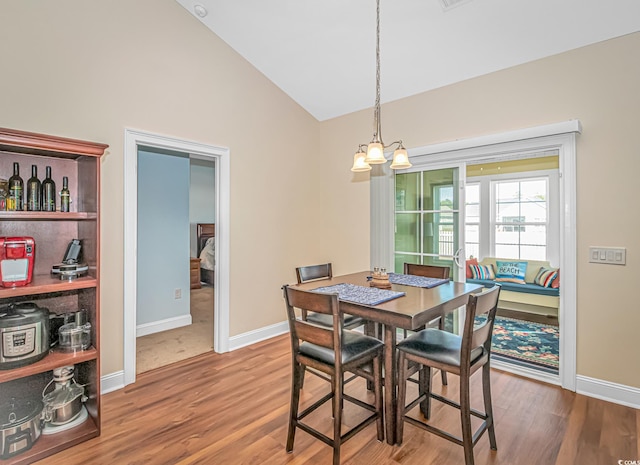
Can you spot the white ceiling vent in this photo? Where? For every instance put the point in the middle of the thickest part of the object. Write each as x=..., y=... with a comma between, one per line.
x=448, y=4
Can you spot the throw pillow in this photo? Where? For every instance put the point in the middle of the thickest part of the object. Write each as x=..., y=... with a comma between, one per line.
x=471, y=261
x=512, y=272
x=545, y=277
x=556, y=282
x=482, y=272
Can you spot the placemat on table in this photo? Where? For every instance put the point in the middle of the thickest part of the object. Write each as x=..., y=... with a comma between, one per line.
x=360, y=294
x=416, y=281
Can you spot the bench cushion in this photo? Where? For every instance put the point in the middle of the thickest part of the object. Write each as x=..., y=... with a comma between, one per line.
x=527, y=288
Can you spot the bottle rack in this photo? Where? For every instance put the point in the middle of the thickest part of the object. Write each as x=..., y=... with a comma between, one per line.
x=52, y=231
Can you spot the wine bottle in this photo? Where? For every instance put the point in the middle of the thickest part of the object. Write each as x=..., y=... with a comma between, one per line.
x=14, y=201
x=65, y=195
x=34, y=190
x=48, y=203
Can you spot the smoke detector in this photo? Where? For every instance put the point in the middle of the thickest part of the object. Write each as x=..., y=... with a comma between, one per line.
x=200, y=11
x=448, y=4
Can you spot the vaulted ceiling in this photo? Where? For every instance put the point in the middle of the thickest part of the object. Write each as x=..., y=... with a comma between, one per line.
x=322, y=52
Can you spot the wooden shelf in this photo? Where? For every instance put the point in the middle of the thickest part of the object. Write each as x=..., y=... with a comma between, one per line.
x=45, y=284
x=47, y=216
x=55, y=359
x=79, y=161
x=48, y=444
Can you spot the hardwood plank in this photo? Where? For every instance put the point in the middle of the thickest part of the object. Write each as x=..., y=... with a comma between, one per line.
x=233, y=409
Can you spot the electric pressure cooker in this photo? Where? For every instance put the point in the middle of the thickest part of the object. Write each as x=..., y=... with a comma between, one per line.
x=24, y=334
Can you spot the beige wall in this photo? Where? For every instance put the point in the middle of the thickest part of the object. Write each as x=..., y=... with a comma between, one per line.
x=89, y=70
x=597, y=85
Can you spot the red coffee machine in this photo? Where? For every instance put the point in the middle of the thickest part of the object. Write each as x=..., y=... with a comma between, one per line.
x=17, y=255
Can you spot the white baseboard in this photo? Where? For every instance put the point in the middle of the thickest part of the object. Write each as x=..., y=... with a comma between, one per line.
x=112, y=382
x=251, y=337
x=606, y=390
x=163, y=325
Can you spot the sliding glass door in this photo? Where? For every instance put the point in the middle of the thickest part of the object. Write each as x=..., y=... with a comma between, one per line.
x=428, y=219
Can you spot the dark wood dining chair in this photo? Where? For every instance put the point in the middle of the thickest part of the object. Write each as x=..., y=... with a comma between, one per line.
x=429, y=271
x=305, y=274
x=333, y=351
x=460, y=355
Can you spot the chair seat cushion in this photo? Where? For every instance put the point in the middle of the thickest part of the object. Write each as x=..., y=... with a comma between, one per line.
x=323, y=319
x=354, y=346
x=439, y=346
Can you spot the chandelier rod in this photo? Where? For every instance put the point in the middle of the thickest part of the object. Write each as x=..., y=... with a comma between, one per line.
x=377, y=128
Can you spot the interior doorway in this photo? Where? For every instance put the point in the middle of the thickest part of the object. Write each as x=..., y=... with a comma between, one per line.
x=175, y=304
x=133, y=141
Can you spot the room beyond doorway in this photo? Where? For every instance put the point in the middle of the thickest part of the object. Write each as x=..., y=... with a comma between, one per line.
x=160, y=349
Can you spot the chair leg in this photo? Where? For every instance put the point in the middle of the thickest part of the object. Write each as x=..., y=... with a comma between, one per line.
x=443, y=374
x=304, y=370
x=296, y=375
x=402, y=394
x=465, y=417
x=338, y=386
x=424, y=380
x=486, y=392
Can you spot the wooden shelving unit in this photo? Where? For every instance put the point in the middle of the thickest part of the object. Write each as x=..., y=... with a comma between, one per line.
x=52, y=231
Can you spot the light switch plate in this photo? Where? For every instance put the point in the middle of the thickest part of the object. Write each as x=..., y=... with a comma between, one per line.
x=608, y=255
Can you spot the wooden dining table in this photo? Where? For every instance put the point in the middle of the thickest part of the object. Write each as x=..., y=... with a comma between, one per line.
x=415, y=309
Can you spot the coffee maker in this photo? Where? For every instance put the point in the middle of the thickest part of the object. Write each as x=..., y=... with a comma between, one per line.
x=17, y=256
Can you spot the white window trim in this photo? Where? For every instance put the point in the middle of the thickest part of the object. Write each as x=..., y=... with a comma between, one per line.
x=498, y=147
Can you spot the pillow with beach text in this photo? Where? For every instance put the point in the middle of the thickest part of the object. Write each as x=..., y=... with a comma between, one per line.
x=512, y=272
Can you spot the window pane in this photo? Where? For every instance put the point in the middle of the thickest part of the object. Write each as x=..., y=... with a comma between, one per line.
x=437, y=188
x=535, y=190
x=534, y=212
x=472, y=250
x=407, y=191
x=507, y=251
x=508, y=213
x=401, y=259
x=533, y=235
x=507, y=191
x=407, y=237
x=506, y=234
x=472, y=233
x=472, y=213
x=472, y=193
x=528, y=252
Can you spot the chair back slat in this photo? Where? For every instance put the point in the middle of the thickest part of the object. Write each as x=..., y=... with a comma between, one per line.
x=428, y=271
x=302, y=330
x=474, y=336
x=313, y=272
x=315, y=334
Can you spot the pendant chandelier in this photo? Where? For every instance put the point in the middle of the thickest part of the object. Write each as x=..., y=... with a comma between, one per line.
x=374, y=154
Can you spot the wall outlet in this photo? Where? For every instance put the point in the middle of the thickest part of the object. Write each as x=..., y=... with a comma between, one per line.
x=177, y=294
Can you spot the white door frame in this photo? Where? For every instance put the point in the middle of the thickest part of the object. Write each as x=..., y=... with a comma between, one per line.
x=132, y=140
x=495, y=147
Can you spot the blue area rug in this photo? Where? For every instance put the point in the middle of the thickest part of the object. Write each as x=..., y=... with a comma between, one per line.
x=526, y=343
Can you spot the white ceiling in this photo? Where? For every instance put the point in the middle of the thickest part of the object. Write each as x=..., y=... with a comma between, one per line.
x=322, y=52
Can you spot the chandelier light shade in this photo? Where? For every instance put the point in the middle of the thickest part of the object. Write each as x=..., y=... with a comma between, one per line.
x=374, y=154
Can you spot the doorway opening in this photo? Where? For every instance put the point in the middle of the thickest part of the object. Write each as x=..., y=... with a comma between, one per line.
x=134, y=140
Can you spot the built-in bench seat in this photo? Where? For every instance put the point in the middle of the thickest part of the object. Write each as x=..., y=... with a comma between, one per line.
x=529, y=297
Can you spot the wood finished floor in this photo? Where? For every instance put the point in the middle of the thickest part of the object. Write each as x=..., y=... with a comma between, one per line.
x=232, y=409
